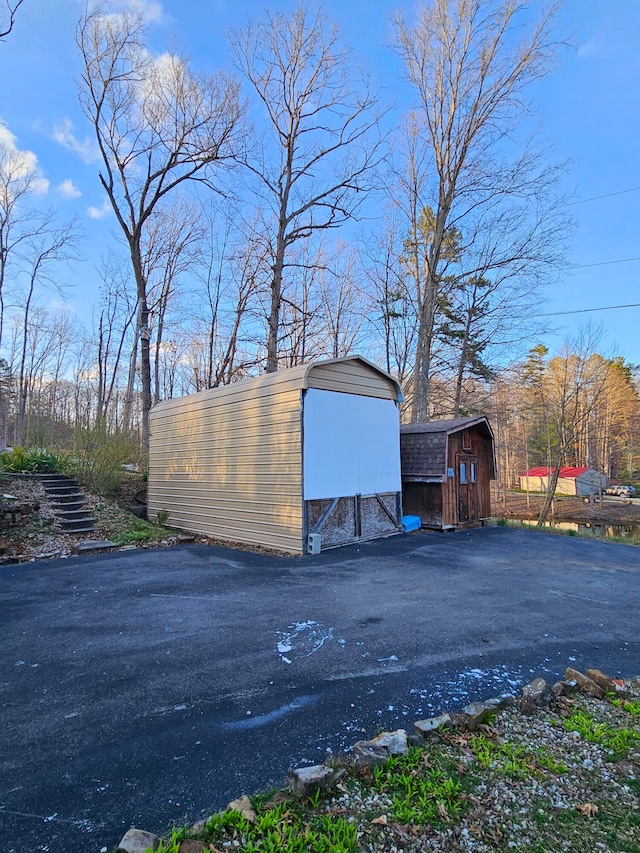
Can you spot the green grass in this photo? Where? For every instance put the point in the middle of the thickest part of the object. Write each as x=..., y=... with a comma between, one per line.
x=424, y=787
x=287, y=828
x=511, y=760
x=632, y=707
x=124, y=528
x=617, y=740
x=615, y=828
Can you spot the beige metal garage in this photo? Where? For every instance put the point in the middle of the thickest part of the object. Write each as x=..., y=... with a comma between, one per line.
x=305, y=456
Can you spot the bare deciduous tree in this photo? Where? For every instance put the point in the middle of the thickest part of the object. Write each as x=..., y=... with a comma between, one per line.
x=19, y=224
x=115, y=322
x=49, y=246
x=157, y=125
x=470, y=76
x=8, y=11
x=313, y=167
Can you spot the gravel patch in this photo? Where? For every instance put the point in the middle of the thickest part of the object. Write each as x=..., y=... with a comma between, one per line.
x=565, y=779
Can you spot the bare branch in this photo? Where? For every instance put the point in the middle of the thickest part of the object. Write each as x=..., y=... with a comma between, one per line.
x=316, y=164
x=8, y=15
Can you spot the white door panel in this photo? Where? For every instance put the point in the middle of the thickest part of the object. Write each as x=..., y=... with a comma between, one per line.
x=351, y=445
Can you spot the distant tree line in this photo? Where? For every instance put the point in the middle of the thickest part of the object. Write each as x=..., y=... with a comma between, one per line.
x=279, y=211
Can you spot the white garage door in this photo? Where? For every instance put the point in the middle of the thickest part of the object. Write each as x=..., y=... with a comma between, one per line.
x=351, y=445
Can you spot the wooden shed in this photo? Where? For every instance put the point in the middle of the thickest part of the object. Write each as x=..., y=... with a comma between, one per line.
x=447, y=468
x=304, y=458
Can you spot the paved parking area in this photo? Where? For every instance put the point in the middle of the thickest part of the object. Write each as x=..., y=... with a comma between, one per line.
x=140, y=688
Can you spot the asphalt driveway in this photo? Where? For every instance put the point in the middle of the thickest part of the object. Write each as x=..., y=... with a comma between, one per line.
x=140, y=688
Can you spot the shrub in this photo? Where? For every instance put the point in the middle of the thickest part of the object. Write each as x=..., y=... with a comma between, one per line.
x=21, y=461
x=99, y=457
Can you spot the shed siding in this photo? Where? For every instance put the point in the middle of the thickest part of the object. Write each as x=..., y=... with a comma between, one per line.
x=228, y=462
x=352, y=377
x=590, y=482
x=429, y=452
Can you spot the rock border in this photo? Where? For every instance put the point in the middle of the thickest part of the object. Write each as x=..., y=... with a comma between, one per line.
x=306, y=781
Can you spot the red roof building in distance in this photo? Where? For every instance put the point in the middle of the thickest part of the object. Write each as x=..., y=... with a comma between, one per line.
x=568, y=472
x=572, y=480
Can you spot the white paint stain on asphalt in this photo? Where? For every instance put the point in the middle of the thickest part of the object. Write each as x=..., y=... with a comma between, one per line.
x=301, y=640
x=255, y=722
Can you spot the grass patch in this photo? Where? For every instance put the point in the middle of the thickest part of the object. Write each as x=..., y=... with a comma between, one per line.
x=512, y=760
x=422, y=787
x=617, y=740
x=632, y=707
x=287, y=828
x=124, y=528
x=614, y=828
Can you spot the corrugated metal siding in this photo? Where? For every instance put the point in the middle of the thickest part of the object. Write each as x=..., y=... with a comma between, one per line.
x=352, y=377
x=541, y=484
x=590, y=482
x=228, y=462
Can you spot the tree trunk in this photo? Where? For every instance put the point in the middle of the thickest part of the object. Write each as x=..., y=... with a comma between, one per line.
x=144, y=336
x=548, y=502
x=276, y=302
x=422, y=369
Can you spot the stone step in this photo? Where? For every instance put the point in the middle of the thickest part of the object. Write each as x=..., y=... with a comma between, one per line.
x=90, y=545
x=78, y=526
x=61, y=490
x=68, y=506
x=74, y=514
x=76, y=497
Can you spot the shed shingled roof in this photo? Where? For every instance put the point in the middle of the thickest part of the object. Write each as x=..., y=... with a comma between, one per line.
x=425, y=454
x=446, y=426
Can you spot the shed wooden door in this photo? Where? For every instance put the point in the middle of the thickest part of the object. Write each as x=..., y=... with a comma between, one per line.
x=467, y=480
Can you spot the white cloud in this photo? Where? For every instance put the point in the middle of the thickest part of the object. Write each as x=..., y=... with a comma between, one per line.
x=68, y=189
x=589, y=48
x=87, y=150
x=150, y=10
x=21, y=165
x=100, y=212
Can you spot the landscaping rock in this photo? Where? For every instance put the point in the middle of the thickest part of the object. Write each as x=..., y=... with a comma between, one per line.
x=535, y=695
x=306, y=780
x=428, y=727
x=603, y=681
x=474, y=714
x=586, y=685
x=365, y=753
x=244, y=807
x=394, y=742
x=192, y=846
x=369, y=753
x=91, y=545
x=138, y=841
x=564, y=688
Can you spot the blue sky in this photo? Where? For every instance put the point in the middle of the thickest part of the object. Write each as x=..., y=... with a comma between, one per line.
x=589, y=108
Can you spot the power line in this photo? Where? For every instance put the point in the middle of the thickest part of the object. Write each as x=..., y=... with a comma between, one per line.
x=598, y=197
x=588, y=310
x=603, y=263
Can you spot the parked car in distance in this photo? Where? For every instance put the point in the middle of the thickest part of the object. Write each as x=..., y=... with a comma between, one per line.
x=620, y=491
